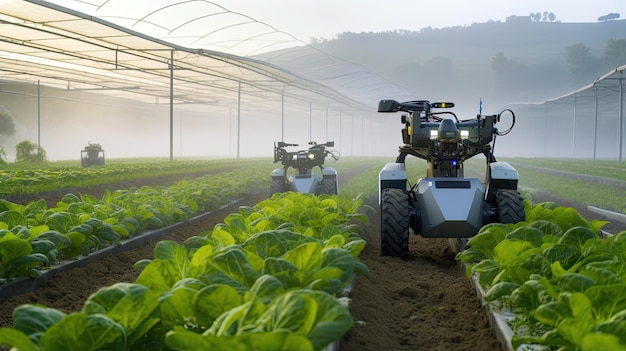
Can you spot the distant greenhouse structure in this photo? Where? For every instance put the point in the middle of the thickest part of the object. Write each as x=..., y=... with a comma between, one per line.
x=70, y=75
x=586, y=123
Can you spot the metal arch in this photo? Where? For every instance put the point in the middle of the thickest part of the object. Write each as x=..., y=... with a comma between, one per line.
x=119, y=52
x=130, y=18
x=270, y=45
x=255, y=66
x=356, y=92
x=225, y=11
x=176, y=4
x=226, y=27
x=200, y=76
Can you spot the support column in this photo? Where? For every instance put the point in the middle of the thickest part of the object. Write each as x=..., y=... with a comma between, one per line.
x=595, y=123
x=171, y=105
x=621, y=116
x=39, y=113
x=238, y=119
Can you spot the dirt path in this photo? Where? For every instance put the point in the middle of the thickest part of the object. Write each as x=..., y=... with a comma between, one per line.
x=422, y=303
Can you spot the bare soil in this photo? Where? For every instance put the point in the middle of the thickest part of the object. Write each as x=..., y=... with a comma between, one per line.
x=422, y=303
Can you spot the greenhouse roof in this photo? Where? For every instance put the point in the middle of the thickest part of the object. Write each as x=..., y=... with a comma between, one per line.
x=82, y=48
x=608, y=85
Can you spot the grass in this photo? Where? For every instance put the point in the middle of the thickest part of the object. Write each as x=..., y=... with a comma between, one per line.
x=366, y=182
x=585, y=192
x=597, y=168
x=589, y=193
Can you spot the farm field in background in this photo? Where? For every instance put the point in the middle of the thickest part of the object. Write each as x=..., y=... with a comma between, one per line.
x=18, y=179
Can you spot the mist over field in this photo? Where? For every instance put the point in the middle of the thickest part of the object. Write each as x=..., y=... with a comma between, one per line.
x=481, y=68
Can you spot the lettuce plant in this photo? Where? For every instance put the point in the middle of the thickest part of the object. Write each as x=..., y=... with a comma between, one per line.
x=565, y=284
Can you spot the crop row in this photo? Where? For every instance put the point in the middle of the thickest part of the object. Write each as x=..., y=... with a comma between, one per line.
x=36, y=236
x=267, y=278
x=52, y=177
x=564, y=283
x=63, y=174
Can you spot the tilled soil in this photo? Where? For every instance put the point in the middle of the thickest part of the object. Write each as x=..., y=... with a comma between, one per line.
x=422, y=303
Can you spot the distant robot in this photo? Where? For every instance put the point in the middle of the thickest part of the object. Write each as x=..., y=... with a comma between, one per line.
x=92, y=155
x=304, y=161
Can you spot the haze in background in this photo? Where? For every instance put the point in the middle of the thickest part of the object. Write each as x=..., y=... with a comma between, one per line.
x=307, y=19
x=401, y=43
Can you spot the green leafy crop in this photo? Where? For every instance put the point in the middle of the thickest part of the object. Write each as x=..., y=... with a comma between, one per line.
x=564, y=282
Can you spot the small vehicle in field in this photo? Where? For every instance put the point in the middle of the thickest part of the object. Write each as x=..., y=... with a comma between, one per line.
x=302, y=177
x=92, y=155
x=445, y=204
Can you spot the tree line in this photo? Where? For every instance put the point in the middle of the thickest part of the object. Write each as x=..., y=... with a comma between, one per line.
x=582, y=66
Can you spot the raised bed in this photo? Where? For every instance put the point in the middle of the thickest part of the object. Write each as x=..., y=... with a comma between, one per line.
x=25, y=284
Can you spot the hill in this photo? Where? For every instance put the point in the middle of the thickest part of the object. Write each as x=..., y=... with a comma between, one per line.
x=498, y=62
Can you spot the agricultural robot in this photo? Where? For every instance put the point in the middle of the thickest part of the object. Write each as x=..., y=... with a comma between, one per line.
x=303, y=162
x=445, y=204
x=92, y=155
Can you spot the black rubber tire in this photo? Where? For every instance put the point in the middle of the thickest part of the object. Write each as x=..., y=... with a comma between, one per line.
x=510, y=206
x=328, y=186
x=394, y=223
x=277, y=186
x=457, y=244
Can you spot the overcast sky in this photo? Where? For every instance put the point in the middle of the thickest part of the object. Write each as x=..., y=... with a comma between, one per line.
x=325, y=18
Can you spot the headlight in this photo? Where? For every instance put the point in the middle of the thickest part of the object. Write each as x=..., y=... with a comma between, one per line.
x=434, y=133
x=464, y=133
x=311, y=156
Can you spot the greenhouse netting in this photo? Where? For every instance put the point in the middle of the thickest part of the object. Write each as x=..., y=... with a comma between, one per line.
x=586, y=123
x=178, y=65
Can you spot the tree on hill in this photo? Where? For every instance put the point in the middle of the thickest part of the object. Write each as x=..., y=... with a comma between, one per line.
x=518, y=19
x=609, y=17
x=543, y=17
x=615, y=53
x=508, y=76
x=583, y=67
x=515, y=81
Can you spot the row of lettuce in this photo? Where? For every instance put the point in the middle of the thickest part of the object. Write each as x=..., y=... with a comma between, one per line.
x=36, y=236
x=560, y=281
x=267, y=278
x=22, y=179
